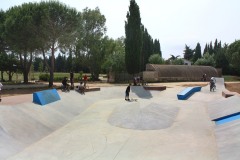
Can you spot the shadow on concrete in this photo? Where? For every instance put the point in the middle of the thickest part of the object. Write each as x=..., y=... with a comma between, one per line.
x=141, y=92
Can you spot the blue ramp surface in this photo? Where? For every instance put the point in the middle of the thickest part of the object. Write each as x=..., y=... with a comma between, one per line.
x=187, y=92
x=227, y=119
x=46, y=96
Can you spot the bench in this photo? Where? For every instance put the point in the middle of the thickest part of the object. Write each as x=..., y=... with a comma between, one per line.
x=187, y=92
x=88, y=89
x=156, y=88
x=92, y=89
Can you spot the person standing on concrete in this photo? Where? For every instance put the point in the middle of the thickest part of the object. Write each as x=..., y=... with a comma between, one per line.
x=1, y=91
x=85, y=80
x=127, y=93
x=72, y=80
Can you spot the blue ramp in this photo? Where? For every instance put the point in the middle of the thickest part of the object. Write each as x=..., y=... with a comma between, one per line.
x=46, y=96
x=187, y=92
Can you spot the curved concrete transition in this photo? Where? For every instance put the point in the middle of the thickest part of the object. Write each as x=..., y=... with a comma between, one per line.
x=151, y=117
x=103, y=126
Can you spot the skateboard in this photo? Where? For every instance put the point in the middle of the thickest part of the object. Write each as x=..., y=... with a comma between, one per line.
x=132, y=100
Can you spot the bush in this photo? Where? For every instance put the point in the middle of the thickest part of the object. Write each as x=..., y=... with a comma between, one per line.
x=44, y=77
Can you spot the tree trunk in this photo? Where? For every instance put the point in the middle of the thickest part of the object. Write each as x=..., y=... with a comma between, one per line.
x=1, y=75
x=25, y=76
x=51, y=69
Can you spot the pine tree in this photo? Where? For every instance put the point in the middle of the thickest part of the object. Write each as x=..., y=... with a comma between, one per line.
x=133, y=41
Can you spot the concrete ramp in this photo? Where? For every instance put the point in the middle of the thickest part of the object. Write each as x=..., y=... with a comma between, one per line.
x=228, y=140
x=23, y=124
x=227, y=135
x=224, y=107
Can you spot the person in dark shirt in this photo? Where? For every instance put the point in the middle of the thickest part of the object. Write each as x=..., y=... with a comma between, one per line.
x=72, y=80
x=65, y=84
x=127, y=93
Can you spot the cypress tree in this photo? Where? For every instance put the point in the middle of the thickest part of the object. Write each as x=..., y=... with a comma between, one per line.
x=157, y=48
x=205, y=49
x=133, y=41
x=197, y=53
x=211, y=51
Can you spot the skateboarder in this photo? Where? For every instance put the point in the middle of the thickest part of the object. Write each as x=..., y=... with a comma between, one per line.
x=127, y=93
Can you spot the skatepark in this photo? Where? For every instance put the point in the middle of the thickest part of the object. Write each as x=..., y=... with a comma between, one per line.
x=101, y=125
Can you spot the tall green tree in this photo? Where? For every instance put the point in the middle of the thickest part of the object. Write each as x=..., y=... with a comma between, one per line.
x=92, y=40
x=3, y=45
x=21, y=30
x=147, y=48
x=205, y=49
x=221, y=59
x=115, y=59
x=59, y=25
x=133, y=41
x=157, y=47
x=197, y=53
x=188, y=53
x=233, y=55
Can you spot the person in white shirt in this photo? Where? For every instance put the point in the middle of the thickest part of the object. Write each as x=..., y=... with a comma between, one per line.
x=81, y=88
x=1, y=91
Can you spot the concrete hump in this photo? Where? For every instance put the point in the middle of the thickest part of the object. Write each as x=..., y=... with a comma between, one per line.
x=151, y=117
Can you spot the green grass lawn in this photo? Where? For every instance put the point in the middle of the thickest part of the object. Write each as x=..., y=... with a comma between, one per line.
x=35, y=76
x=228, y=78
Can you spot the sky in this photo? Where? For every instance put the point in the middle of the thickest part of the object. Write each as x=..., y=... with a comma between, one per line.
x=175, y=23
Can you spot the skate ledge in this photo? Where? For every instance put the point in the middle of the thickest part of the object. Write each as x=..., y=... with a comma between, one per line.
x=227, y=93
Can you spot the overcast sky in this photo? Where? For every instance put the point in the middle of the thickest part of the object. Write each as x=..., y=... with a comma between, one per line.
x=174, y=22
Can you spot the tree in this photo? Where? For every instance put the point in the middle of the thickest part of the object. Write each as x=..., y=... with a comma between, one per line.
x=156, y=59
x=21, y=30
x=206, y=60
x=3, y=45
x=173, y=57
x=188, y=53
x=205, y=49
x=91, y=42
x=221, y=60
x=211, y=50
x=233, y=55
x=115, y=59
x=197, y=53
x=133, y=41
x=157, y=47
x=147, y=48
x=58, y=29
x=60, y=63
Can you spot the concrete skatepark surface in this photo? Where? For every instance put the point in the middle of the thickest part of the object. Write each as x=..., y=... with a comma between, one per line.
x=102, y=125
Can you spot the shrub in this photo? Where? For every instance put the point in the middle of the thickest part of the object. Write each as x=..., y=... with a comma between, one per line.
x=44, y=77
